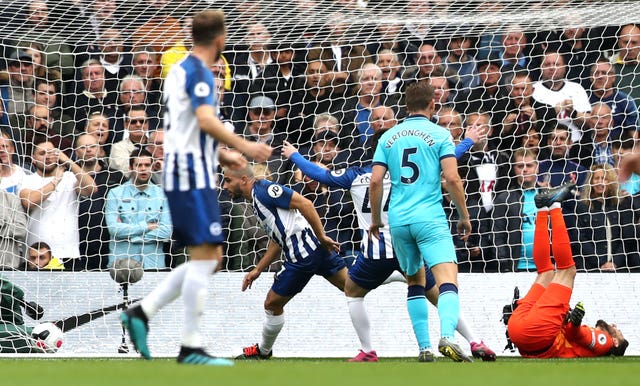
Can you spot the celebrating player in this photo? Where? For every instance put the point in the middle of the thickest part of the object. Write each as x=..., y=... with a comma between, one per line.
x=295, y=229
x=539, y=326
x=416, y=152
x=378, y=261
x=193, y=134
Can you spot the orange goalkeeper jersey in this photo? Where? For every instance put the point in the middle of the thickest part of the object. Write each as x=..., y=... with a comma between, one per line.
x=578, y=342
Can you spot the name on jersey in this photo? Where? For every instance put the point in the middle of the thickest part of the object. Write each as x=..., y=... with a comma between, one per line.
x=410, y=133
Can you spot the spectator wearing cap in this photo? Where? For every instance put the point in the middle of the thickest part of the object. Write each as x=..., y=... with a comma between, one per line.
x=277, y=82
x=488, y=96
x=260, y=128
x=19, y=78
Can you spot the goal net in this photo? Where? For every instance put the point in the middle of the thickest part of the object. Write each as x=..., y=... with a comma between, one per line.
x=552, y=84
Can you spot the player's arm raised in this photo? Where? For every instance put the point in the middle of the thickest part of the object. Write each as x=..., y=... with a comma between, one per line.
x=307, y=209
x=454, y=187
x=273, y=252
x=375, y=199
x=210, y=124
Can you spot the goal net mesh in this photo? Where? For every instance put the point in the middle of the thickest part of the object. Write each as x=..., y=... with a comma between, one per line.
x=557, y=78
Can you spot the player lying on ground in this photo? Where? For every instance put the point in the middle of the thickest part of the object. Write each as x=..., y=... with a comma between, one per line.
x=295, y=229
x=539, y=326
x=377, y=263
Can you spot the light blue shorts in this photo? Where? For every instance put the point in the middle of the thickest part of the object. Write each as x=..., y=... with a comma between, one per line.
x=425, y=243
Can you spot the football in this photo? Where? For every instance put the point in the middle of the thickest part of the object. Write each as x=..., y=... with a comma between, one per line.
x=47, y=336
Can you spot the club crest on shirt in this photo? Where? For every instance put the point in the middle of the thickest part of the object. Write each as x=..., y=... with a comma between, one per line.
x=337, y=173
x=602, y=338
x=201, y=89
x=274, y=191
x=215, y=229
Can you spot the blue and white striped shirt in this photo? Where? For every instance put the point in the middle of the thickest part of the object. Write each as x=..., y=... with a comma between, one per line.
x=191, y=156
x=287, y=227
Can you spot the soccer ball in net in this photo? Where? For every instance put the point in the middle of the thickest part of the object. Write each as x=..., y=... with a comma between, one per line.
x=48, y=337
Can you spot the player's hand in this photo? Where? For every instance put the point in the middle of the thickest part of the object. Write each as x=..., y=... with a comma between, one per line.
x=476, y=133
x=288, y=149
x=464, y=229
x=259, y=152
x=374, y=231
x=249, y=279
x=232, y=159
x=328, y=244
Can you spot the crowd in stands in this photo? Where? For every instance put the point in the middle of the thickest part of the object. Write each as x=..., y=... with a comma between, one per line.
x=81, y=121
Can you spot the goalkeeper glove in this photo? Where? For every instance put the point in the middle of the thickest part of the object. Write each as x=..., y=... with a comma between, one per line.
x=575, y=316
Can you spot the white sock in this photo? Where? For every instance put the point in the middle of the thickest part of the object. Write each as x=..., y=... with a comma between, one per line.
x=465, y=330
x=166, y=292
x=555, y=205
x=360, y=320
x=194, y=296
x=395, y=277
x=270, y=330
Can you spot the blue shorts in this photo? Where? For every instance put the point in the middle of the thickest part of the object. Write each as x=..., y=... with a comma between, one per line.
x=196, y=217
x=426, y=243
x=293, y=277
x=370, y=274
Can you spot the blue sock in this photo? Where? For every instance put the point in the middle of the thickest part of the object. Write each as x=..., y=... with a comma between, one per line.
x=448, y=309
x=419, y=314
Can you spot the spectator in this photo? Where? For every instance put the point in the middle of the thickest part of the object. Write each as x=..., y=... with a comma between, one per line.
x=259, y=128
x=610, y=223
x=16, y=93
x=94, y=96
x=11, y=175
x=136, y=127
x=137, y=216
x=98, y=126
x=342, y=57
x=155, y=147
x=460, y=62
x=627, y=61
x=133, y=94
x=50, y=196
x=146, y=64
x=556, y=168
x=392, y=39
x=389, y=63
x=488, y=95
x=532, y=141
x=623, y=108
x=484, y=168
x=276, y=82
x=38, y=128
x=514, y=55
x=579, y=51
x=41, y=71
x=368, y=94
x=451, y=120
x=46, y=94
x=247, y=62
x=94, y=241
x=442, y=95
x=113, y=59
x=568, y=98
x=523, y=113
x=427, y=60
x=596, y=147
x=13, y=231
x=316, y=96
x=514, y=216
x=40, y=257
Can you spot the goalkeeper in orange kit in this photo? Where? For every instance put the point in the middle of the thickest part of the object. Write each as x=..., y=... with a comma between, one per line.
x=542, y=325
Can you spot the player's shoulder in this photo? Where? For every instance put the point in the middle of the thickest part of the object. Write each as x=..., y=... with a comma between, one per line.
x=265, y=189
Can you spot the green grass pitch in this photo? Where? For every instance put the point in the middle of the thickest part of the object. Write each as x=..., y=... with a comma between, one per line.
x=311, y=372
